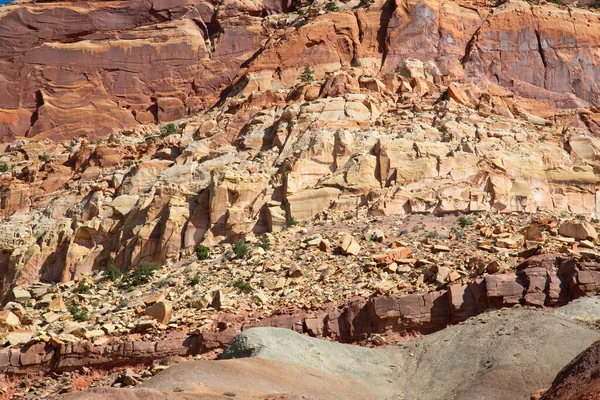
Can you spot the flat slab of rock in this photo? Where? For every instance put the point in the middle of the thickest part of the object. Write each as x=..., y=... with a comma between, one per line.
x=578, y=230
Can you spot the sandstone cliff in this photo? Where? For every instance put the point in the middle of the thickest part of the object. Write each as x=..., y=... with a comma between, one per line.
x=68, y=69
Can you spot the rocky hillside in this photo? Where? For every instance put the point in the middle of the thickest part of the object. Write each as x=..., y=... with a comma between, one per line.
x=175, y=172
x=298, y=111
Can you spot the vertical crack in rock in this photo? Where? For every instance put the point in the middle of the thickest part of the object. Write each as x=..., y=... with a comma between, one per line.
x=387, y=13
x=469, y=47
x=39, y=101
x=542, y=55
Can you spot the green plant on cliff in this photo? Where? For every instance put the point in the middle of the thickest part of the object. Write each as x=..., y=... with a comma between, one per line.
x=44, y=157
x=142, y=274
x=168, y=129
x=4, y=167
x=330, y=6
x=78, y=314
x=463, y=222
x=113, y=273
x=82, y=288
x=243, y=285
x=264, y=242
x=202, y=252
x=240, y=249
x=292, y=221
x=307, y=75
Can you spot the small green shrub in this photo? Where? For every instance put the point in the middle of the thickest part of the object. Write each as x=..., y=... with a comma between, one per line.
x=463, y=222
x=202, y=252
x=162, y=284
x=82, y=288
x=240, y=249
x=459, y=233
x=142, y=274
x=243, y=285
x=330, y=6
x=113, y=273
x=580, y=217
x=348, y=216
x=78, y=314
x=433, y=235
x=292, y=221
x=264, y=242
x=307, y=75
x=4, y=167
x=44, y=157
x=195, y=280
x=594, y=220
x=594, y=4
x=168, y=129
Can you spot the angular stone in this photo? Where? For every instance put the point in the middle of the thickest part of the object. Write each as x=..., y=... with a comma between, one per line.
x=513, y=242
x=295, y=271
x=324, y=245
x=93, y=334
x=152, y=298
x=456, y=93
x=350, y=246
x=260, y=297
x=438, y=248
x=57, y=304
x=393, y=255
x=21, y=295
x=8, y=319
x=19, y=337
x=161, y=312
x=578, y=230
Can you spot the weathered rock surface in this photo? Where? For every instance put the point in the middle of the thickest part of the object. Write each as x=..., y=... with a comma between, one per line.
x=579, y=379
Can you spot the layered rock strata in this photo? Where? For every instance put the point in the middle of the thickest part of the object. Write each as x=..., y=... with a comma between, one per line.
x=543, y=280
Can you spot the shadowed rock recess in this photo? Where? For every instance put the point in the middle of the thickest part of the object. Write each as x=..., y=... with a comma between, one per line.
x=420, y=178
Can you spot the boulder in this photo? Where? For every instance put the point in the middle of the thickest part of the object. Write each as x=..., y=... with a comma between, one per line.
x=8, y=319
x=578, y=230
x=161, y=311
x=350, y=246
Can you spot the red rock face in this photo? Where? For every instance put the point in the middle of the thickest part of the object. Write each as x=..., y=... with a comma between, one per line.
x=69, y=69
x=87, y=68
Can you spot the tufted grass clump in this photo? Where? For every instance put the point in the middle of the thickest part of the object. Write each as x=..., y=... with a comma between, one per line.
x=142, y=274
x=78, y=314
